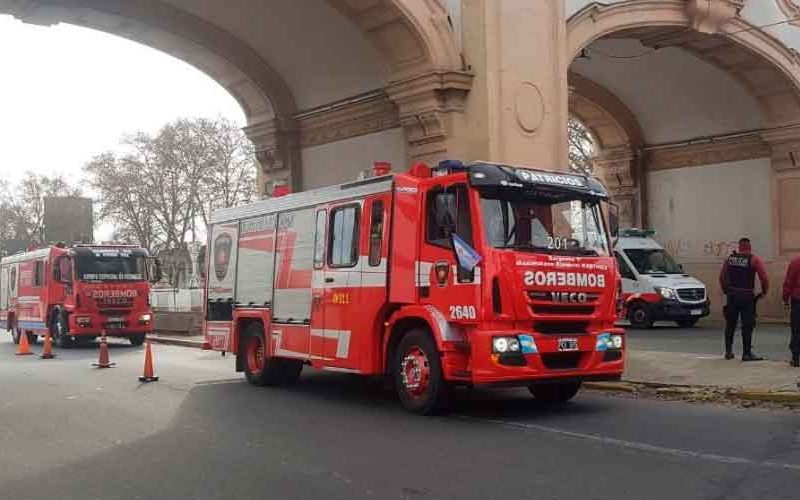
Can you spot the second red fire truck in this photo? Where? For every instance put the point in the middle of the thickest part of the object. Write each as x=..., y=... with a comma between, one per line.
x=457, y=275
x=78, y=292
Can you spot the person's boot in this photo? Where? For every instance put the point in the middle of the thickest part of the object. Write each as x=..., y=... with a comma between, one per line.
x=729, y=355
x=751, y=357
x=795, y=361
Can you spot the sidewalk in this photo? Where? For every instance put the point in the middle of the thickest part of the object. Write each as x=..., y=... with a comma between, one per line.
x=194, y=341
x=696, y=370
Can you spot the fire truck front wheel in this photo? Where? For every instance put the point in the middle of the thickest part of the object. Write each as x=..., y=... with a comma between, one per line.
x=261, y=370
x=418, y=375
x=555, y=393
x=59, y=330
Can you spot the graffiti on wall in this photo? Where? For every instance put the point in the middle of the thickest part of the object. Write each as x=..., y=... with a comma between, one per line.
x=701, y=249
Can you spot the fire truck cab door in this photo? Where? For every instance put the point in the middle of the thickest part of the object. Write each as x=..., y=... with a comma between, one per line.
x=342, y=284
x=443, y=284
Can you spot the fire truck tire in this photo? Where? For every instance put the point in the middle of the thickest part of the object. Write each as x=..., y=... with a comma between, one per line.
x=554, y=393
x=640, y=316
x=260, y=370
x=137, y=339
x=59, y=330
x=418, y=377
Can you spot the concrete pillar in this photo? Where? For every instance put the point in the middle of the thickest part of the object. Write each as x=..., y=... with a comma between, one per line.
x=614, y=166
x=517, y=109
x=277, y=145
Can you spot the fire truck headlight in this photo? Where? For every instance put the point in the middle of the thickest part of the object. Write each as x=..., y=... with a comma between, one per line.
x=502, y=345
x=608, y=342
x=145, y=318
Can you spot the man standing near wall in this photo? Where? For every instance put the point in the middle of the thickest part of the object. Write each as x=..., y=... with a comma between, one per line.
x=791, y=297
x=737, y=278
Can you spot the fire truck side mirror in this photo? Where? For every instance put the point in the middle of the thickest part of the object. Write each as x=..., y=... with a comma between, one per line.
x=613, y=220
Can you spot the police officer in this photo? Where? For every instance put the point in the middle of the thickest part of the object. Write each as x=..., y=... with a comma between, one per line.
x=791, y=298
x=737, y=278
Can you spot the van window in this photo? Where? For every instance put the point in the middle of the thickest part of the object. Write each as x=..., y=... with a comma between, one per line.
x=343, y=249
x=624, y=270
x=376, y=233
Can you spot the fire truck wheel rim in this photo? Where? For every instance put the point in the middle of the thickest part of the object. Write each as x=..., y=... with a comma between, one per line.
x=416, y=372
x=255, y=354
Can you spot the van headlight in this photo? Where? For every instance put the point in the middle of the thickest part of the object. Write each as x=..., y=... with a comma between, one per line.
x=667, y=293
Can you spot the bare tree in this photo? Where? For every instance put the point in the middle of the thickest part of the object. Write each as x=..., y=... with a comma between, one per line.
x=167, y=183
x=581, y=147
x=230, y=180
x=124, y=199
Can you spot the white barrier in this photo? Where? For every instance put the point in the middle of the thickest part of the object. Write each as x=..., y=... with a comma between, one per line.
x=176, y=299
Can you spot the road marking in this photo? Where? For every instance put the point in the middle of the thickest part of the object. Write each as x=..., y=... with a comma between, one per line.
x=633, y=445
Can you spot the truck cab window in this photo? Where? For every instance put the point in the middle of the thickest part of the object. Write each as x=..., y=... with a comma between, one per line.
x=343, y=250
x=38, y=273
x=319, y=243
x=376, y=233
x=447, y=212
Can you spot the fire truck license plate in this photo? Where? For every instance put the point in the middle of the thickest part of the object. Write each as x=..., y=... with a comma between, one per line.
x=567, y=345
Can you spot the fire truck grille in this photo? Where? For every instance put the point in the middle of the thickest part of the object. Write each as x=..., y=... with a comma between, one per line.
x=561, y=360
x=114, y=303
x=561, y=328
x=556, y=310
x=692, y=294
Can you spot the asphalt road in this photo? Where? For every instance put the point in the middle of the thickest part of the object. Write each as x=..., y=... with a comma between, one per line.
x=770, y=341
x=69, y=431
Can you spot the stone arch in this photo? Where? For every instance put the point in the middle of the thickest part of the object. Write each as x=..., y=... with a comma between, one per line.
x=710, y=30
x=619, y=140
x=425, y=83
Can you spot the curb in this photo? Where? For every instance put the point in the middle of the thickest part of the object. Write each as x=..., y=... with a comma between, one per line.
x=677, y=390
x=176, y=341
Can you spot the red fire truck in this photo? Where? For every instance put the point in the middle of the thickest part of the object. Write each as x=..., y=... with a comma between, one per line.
x=457, y=275
x=77, y=292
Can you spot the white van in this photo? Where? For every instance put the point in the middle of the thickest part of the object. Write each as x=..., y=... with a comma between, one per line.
x=654, y=286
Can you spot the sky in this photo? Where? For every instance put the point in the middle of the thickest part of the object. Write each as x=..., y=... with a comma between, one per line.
x=68, y=93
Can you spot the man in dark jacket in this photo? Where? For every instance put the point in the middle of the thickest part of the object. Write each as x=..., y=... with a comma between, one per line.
x=737, y=278
x=791, y=297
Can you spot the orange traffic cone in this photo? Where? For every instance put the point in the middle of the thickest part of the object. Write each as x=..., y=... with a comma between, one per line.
x=148, y=366
x=103, y=361
x=48, y=347
x=24, y=348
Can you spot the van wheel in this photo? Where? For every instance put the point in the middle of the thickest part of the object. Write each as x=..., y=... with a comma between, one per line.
x=554, y=394
x=418, y=378
x=260, y=370
x=687, y=323
x=640, y=316
x=59, y=330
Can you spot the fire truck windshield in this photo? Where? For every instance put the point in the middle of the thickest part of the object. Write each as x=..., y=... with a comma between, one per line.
x=112, y=266
x=571, y=227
